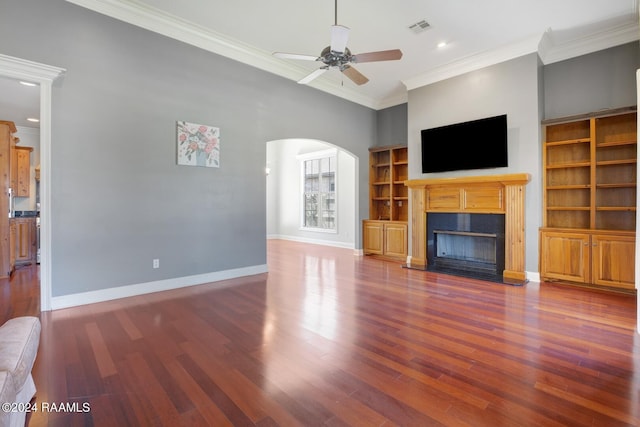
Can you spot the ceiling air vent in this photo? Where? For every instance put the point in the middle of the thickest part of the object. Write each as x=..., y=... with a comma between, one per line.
x=419, y=26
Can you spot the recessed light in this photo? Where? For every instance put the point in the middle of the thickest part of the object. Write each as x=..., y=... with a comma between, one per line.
x=441, y=45
x=34, y=120
x=28, y=83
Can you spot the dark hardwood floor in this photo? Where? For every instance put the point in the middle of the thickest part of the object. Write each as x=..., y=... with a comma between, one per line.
x=328, y=338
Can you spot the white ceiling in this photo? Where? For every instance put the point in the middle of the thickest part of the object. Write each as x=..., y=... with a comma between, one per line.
x=19, y=102
x=477, y=33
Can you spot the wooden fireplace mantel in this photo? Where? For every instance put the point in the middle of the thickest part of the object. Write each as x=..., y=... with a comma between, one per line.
x=497, y=194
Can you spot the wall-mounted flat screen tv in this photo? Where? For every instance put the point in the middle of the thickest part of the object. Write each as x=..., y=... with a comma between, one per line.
x=477, y=144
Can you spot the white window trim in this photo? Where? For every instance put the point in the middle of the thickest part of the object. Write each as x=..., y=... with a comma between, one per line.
x=331, y=152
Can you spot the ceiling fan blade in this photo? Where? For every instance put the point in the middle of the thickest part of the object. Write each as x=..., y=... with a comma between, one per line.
x=339, y=38
x=355, y=75
x=312, y=76
x=382, y=55
x=284, y=55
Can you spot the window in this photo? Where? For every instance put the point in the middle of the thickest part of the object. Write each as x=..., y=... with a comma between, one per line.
x=319, y=191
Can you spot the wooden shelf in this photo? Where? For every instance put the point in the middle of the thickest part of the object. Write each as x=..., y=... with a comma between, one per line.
x=569, y=187
x=617, y=162
x=569, y=165
x=616, y=143
x=568, y=208
x=617, y=185
x=589, y=199
x=387, y=174
x=617, y=208
x=385, y=233
x=569, y=141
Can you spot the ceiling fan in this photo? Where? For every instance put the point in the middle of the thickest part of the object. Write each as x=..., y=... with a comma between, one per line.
x=337, y=55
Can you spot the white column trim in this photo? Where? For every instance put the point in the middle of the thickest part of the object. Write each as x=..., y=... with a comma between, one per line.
x=44, y=75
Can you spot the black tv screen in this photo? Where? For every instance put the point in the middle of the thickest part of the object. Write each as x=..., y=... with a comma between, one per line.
x=477, y=144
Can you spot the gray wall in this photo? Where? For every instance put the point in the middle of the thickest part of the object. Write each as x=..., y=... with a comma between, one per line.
x=589, y=83
x=392, y=125
x=118, y=198
x=507, y=88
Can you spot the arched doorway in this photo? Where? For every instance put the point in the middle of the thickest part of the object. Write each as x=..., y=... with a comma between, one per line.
x=284, y=192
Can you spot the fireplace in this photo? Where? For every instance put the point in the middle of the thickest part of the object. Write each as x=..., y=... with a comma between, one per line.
x=502, y=195
x=466, y=244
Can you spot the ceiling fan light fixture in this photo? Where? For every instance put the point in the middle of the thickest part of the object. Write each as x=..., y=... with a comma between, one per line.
x=339, y=38
x=337, y=55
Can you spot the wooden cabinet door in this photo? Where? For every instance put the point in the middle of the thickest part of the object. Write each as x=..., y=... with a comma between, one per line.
x=443, y=199
x=613, y=261
x=12, y=247
x=564, y=256
x=23, y=171
x=373, y=237
x=483, y=199
x=395, y=240
x=23, y=240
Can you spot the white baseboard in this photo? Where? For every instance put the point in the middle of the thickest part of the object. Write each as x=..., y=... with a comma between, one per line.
x=332, y=243
x=102, y=295
x=533, y=276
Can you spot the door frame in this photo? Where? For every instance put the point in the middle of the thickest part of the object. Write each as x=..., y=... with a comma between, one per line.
x=45, y=76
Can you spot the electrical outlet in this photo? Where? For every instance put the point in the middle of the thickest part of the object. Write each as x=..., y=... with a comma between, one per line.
x=156, y=263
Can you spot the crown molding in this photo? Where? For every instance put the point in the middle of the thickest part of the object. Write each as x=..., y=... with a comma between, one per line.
x=28, y=70
x=474, y=62
x=392, y=101
x=546, y=45
x=552, y=50
x=169, y=25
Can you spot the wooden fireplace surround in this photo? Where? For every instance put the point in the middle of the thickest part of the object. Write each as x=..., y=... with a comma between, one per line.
x=495, y=194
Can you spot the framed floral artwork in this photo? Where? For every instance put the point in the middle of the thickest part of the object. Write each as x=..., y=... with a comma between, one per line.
x=198, y=145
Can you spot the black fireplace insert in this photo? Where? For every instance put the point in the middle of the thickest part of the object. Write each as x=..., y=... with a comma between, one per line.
x=465, y=244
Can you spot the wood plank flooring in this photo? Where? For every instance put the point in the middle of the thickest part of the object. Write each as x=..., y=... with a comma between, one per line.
x=329, y=338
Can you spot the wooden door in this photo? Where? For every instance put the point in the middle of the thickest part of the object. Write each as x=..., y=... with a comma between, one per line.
x=22, y=171
x=25, y=240
x=564, y=256
x=395, y=240
x=613, y=260
x=373, y=237
x=6, y=142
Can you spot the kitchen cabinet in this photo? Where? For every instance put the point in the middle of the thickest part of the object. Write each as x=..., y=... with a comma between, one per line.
x=25, y=240
x=21, y=171
x=12, y=246
x=7, y=142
